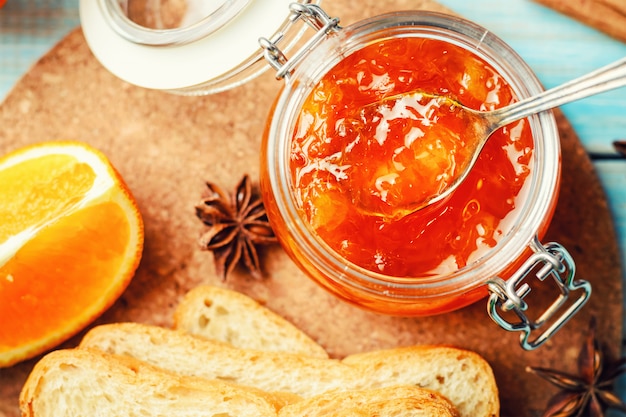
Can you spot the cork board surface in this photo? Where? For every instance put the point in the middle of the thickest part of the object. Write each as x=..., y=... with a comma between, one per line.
x=166, y=146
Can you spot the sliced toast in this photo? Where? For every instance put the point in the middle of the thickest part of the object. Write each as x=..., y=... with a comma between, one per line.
x=83, y=382
x=75, y=382
x=232, y=317
x=464, y=377
x=189, y=355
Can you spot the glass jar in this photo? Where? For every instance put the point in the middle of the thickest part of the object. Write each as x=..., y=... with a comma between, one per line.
x=207, y=62
x=504, y=270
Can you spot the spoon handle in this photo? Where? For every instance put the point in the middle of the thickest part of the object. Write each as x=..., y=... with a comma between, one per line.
x=607, y=78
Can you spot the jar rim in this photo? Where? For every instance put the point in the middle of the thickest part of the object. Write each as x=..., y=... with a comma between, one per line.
x=542, y=183
x=213, y=20
x=201, y=61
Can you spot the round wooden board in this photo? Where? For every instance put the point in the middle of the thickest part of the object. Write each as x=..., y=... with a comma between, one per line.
x=166, y=146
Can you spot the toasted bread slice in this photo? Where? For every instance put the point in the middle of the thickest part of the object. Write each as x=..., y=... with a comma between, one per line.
x=393, y=401
x=229, y=316
x=462, y=376
x=75, y=382
x=188, y=355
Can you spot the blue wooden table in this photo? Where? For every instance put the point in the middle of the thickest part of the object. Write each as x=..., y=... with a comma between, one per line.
x=556, y=47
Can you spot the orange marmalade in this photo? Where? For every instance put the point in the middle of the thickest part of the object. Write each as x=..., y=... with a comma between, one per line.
x=342, y=159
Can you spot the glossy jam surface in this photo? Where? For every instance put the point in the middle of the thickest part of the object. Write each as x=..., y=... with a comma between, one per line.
x=347, y=164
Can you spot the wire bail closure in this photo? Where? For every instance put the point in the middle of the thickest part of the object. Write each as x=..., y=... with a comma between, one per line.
x=551, y=260
x=315, y=17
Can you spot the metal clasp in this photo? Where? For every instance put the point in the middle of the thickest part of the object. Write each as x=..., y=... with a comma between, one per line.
x=551, y=260
x=315, y=17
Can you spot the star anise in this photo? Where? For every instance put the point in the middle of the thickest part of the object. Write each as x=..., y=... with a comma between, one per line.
x=590, y=393
x=236, y=224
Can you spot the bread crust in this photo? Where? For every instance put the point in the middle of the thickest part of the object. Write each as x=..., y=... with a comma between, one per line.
x=392, y=401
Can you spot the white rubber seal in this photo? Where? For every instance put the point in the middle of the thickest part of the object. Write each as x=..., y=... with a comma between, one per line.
x=175, y=67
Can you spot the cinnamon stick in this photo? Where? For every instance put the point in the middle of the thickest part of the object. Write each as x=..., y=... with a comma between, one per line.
x=609, y=16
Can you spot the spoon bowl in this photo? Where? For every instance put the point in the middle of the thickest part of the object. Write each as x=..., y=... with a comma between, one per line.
x=443, y=158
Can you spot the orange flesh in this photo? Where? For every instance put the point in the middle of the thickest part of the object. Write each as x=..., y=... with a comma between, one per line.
x=31, y=304
x=33, y=194
x=339, y=162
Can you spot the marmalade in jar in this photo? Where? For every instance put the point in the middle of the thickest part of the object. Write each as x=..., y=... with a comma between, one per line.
x=350, y=167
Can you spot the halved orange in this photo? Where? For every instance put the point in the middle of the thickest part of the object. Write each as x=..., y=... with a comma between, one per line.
x=71, y=238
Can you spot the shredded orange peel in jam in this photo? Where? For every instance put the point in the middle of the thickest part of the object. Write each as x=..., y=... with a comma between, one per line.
x=376, y=158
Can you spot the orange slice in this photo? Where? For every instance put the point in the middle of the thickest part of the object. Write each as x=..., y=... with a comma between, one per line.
x=71, y=238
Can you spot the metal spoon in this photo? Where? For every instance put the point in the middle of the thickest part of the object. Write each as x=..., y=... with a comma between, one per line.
x=479, y=127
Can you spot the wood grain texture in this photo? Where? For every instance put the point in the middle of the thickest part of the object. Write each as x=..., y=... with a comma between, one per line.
x=166, y=147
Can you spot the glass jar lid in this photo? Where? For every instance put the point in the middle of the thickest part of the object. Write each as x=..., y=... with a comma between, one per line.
x=212, y=47
x=182, y=23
